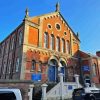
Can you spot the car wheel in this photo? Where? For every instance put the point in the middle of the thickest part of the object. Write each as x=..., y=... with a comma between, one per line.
x=92, y=98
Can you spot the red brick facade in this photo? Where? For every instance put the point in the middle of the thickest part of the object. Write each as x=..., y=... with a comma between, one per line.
x=93, y=63
x=10, y=51
x=44, y=45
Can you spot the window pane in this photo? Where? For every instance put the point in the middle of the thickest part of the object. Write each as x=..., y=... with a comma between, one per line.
x=67, y=47
x=58, y=44
x=52, y=42
x=9, y=67
x=94, y=69
x=12, y=44
x=39, y=67
x=7, y=95
x=63, y=45
x=7, y=47
x=33, y=65
x=17, y=64
x=4, y=68
x=46, y=40
x=20, y=38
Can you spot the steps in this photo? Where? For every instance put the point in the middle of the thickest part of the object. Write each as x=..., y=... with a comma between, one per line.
x=37, y=90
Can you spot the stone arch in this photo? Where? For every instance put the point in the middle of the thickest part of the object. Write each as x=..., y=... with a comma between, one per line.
x=53, y=57
x=52, y=69
x=63, y=67
x=64, y=60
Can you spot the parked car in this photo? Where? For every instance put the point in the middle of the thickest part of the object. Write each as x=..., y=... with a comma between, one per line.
x=86, y=93
x=10, y=94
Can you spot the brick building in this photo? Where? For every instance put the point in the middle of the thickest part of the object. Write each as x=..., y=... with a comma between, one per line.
x=90, y=67
x=39, y=48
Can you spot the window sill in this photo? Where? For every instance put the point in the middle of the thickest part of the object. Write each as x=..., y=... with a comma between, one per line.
x=39, y=71
x=32, y=70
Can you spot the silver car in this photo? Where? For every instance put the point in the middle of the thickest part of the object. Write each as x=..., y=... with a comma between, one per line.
x=10, y=94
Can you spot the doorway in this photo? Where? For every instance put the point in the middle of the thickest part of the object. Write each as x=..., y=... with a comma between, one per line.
x=52, y=71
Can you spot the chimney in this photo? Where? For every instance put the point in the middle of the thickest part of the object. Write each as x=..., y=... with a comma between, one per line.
x=98, y=53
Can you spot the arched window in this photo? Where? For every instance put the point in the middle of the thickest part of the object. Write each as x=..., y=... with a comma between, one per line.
x=52, y=42
x=40, y=66
x=7, y=46
x=33, y=65
x=67, y=47
x=12, y=44
x=94, y=69
x=63, y=45
x=2, y=50
x=57, y=44
x=4, y=68
x=46, y=39
x=9, y=67
x=17, y=64
x=20, y=37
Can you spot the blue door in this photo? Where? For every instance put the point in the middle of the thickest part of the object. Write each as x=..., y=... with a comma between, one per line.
x=63, y=70
x=51, y=73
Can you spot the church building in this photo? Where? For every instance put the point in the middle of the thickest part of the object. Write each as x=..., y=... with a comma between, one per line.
x=40, y=48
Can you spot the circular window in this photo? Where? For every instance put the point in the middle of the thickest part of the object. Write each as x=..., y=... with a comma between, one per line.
x=65, y=33
x=58, y=26
x=49, y=26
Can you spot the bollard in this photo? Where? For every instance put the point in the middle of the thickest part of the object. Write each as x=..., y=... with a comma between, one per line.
x=44, y=87
x=87, y=85
x=30, y=93
x=61, y=85
x=77, y=80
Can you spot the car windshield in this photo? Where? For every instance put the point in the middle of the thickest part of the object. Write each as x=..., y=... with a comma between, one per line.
x=80, y=90
x=6, y=95
x=95, y=91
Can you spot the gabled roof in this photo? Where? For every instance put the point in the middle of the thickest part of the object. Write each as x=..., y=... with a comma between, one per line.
x=69, y=27
x=55, y=13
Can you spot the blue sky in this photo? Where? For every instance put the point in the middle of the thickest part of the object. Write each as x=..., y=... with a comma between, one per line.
x=82, y=15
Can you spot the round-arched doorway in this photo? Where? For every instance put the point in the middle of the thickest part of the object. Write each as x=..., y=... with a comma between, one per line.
x=52, y=70
x=62, y=68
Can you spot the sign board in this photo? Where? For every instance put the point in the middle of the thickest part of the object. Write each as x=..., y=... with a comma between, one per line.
x=85, y=68
x=70, y=87
x=36, y=77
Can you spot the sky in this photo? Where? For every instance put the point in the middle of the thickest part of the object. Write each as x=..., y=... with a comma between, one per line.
x=83, y=16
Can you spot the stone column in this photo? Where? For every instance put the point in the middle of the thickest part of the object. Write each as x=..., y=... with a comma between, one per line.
x=31, y=92
x=61, y=85
x=44, y=87
x=77, y=80
x=87, y=85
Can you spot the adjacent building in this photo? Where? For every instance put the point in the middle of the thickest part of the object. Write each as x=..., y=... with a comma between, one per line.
x=90, y=67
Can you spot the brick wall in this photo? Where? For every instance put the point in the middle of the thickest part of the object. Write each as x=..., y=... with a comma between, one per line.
x=22, y=85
